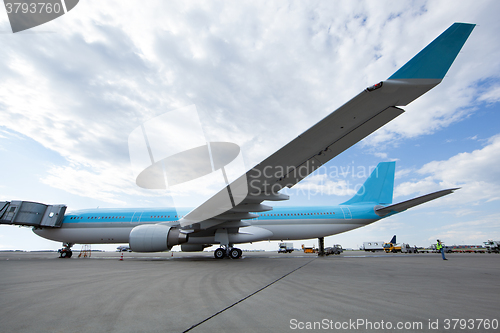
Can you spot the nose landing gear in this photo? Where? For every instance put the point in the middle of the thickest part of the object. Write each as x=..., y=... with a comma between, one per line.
x=66, y=252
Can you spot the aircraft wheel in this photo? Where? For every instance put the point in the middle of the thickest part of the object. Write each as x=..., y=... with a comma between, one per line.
x=219, y=253
x=66, y=254
x=235, y=253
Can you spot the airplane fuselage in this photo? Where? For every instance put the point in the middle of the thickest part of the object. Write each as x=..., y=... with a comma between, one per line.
x=99, y=226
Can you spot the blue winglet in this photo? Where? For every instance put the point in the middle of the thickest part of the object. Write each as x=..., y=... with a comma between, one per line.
x=436, y=58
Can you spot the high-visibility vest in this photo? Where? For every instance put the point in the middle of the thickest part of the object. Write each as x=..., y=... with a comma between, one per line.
x=439, y=246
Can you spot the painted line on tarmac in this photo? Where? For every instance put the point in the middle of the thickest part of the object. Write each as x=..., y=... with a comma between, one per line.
x=248, y=296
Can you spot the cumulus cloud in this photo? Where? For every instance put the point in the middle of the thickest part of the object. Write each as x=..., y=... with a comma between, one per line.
x=259, y=72
x=470, y=232
x=476, y=173
x=492, y=95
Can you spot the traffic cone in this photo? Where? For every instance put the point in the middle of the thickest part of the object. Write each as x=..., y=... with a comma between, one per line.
x=121, y=258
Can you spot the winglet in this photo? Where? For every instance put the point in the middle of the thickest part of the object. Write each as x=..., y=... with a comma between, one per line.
x=436, y=58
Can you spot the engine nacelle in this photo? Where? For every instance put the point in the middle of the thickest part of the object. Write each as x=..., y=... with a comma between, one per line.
x=155, y=238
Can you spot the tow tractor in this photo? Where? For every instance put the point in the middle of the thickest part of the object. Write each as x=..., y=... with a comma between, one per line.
x=336, y=249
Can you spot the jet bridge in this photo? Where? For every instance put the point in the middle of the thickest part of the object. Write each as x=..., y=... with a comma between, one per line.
x=31, y=214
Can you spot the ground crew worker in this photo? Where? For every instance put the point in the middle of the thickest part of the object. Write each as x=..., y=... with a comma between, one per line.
x=439, y=247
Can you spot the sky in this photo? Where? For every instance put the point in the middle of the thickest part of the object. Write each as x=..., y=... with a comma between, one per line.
x=259, y=73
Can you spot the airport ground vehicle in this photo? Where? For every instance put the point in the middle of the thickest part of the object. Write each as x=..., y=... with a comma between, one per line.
x=309, y=249
x=406, y=248
x=395, y=248
x=492, y=246
x=465, y=249
x=456, y=249
x=373, y=246
x=336, y=249
x=285, y=248
x=391, y=247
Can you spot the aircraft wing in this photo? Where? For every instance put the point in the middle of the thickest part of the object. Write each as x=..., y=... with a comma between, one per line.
x=368, y=111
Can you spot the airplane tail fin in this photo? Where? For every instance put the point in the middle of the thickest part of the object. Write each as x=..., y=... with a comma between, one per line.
x=378, y=188
x=393, y=240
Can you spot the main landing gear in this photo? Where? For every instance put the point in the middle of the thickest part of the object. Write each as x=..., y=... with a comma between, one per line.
x=66, y=252
x=321, y=246
x=227, y=251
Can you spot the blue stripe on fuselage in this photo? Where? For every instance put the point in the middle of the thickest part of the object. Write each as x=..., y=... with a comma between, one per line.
x=148, y=215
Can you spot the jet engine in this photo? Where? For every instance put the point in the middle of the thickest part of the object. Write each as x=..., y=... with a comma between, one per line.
x=155, y=238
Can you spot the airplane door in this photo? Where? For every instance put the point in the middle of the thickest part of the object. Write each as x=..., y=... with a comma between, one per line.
x=347, y=213
x=136, y=218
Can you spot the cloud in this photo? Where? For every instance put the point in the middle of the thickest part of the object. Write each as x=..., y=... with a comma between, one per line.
x=380, y=155
x=402, y=173
x=474, y=231
x=260, y=73
x=475, y=172
x=492, y=95
x=456, y=98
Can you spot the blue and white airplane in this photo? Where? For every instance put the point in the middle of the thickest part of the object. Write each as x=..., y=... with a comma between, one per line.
x=154, y=230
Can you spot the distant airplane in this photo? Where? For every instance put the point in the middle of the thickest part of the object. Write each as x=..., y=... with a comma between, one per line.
x=154, y=230
x=393, y=240
x=122, y=248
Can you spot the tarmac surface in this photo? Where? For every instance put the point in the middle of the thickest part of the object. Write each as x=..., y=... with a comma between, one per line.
x=261, y=292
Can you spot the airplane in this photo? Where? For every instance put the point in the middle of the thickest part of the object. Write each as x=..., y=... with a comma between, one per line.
x=123, y=248
x=248, y=220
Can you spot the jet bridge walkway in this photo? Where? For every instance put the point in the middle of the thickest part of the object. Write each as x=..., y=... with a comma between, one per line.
x=31, y=214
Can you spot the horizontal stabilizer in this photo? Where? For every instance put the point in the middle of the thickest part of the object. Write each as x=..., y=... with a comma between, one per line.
x=399, y=207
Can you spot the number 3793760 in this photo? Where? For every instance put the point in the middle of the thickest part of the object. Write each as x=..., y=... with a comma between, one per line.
x=33, y=8
x=463, y=324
